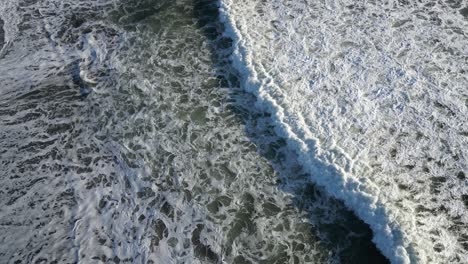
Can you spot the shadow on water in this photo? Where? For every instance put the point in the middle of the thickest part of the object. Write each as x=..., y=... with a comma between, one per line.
x=2, y=34
x=349, y=234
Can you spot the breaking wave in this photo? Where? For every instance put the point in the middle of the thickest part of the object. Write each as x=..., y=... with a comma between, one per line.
x=372, y=97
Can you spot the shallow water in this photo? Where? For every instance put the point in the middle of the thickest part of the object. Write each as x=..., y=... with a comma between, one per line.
x=126, y=138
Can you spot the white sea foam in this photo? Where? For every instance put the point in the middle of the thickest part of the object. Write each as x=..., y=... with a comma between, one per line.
x=372, y=96
x=118, y=143
x=10, y=18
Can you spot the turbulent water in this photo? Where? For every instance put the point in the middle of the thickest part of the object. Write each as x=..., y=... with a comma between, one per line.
x=194, y=131
x=373, y=96
x=126, y=138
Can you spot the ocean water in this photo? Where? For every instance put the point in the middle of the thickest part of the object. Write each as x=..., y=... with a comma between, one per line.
x=126, y=137
x=373, y=97
x=205, y=131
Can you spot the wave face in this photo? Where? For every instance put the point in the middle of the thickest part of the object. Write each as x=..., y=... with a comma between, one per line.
x=372, y=96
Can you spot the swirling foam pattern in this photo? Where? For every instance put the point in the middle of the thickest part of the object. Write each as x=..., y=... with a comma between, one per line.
x=373, y=97
x=125, y=139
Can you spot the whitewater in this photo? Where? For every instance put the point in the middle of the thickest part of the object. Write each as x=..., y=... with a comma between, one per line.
x=125, y=137
x=373, y=98
x=223, y=131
